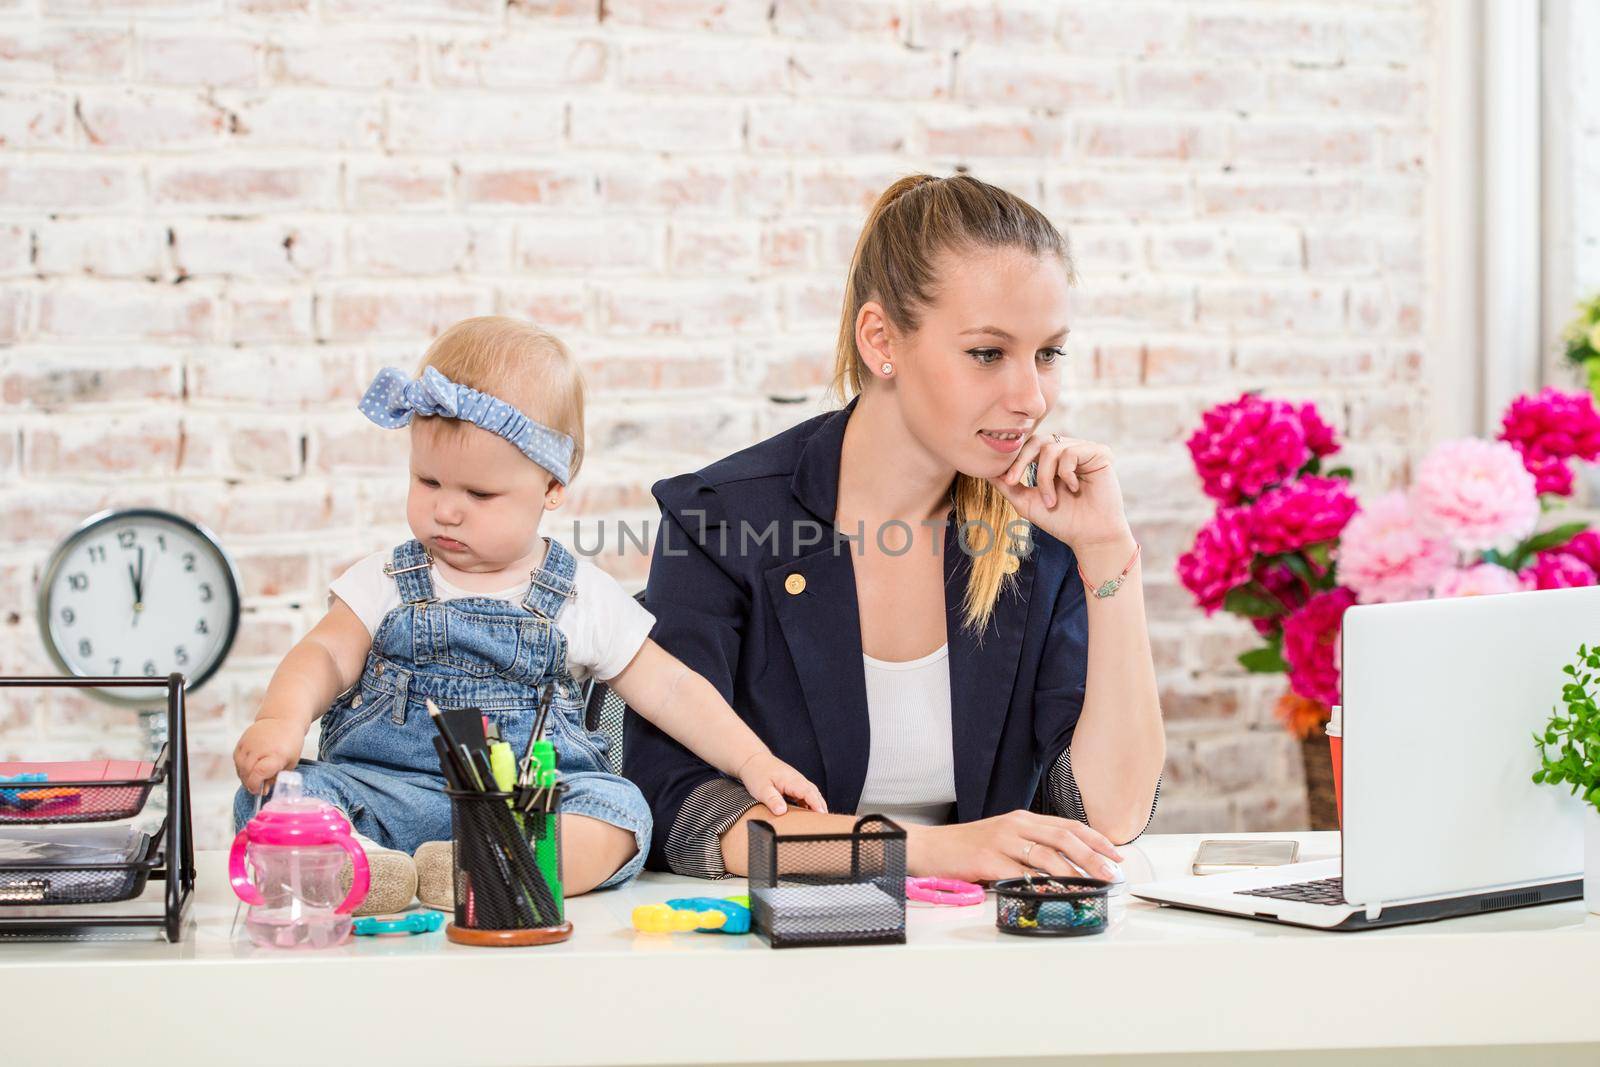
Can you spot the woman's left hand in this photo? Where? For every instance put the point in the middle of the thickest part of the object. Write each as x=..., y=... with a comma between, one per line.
x=1076, y=497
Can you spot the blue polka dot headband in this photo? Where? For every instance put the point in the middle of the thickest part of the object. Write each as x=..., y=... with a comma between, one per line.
x=392, y=399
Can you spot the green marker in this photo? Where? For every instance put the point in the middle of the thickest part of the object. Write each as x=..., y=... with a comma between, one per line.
x=546, y=854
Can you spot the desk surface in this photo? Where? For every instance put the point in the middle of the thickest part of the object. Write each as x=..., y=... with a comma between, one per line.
x=1159, y=980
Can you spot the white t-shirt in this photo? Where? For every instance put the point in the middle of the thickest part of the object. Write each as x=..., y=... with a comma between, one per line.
x=604, y=626
x=911, y=769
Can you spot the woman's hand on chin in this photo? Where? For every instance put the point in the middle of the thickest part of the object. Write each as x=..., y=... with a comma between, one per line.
x=1076, y=497
x=1009, y=846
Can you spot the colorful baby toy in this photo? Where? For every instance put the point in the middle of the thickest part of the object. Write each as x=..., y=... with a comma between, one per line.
x=730, y=915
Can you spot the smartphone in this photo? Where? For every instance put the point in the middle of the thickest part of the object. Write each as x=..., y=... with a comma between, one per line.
x=1219, y=857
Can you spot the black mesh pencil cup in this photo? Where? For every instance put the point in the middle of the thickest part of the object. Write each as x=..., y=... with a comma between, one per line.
x=507, y=870
x=829, y=889
x=1051, y=907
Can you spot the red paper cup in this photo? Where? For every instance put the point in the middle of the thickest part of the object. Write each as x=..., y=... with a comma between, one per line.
x=1336, y=754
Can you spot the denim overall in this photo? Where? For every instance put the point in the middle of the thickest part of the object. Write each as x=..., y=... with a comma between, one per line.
x=377, y=762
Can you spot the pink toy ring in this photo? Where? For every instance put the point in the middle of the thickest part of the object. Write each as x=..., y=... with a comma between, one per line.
x=947, y=891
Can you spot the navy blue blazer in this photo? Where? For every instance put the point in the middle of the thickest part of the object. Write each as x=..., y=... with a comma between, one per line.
x=790, y=662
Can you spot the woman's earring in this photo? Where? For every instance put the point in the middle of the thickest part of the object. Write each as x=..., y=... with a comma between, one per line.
x=888, y=368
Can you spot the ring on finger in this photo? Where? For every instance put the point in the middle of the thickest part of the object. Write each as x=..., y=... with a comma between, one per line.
x=1025, y=850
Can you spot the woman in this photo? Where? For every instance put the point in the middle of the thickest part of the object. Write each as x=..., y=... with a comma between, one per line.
x=855, y=588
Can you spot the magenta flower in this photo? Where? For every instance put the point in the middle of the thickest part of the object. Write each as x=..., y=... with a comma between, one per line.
x=1384, y=555
x=1476, y=495
x=1310, y=645
x=1320, y=437
x=1585, y=546
x=1245, y=447
x=1550, y=429
x=1301, y=513
x=1481, y=580
x=1220, y=559
x=1557, y=570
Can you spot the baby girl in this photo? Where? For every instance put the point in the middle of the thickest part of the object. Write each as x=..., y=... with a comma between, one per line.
x=479, y=610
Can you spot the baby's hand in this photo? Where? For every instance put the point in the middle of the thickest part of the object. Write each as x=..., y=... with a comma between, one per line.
x=267, y=747
x=769, y=780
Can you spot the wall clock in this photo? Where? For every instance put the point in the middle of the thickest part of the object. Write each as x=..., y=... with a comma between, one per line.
x=136, y=592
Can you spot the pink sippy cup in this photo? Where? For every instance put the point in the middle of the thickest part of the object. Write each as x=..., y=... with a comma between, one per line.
x=297, y=847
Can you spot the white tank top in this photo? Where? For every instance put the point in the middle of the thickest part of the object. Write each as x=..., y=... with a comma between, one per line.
x=911, y=773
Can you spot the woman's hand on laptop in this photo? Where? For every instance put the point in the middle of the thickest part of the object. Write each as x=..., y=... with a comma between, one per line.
x=1010, y=846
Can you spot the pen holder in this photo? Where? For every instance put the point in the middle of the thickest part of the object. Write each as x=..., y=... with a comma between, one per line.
x=507, y=870
x=829, y=889
x=1051, y=907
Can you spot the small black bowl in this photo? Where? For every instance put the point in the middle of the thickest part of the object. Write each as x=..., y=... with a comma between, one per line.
x=1051, y=907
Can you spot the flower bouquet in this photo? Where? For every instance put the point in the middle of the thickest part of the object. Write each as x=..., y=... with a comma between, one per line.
x=1290, y=549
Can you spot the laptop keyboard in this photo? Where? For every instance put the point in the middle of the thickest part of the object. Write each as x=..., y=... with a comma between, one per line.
x=1321, y=891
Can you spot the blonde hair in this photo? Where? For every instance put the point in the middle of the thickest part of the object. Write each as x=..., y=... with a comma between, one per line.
x=523, y=364
x=915, y=220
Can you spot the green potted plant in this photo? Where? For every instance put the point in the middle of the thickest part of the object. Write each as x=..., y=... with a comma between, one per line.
x=1582, y=338
x=1575, y=735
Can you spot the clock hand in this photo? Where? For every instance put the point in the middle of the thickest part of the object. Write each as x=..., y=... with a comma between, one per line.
x=140, y=586
x=137, y=599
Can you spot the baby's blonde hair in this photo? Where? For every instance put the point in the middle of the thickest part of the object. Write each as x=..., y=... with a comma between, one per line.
x=523, y=364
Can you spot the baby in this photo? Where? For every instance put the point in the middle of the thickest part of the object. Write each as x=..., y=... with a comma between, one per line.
x=481, y=611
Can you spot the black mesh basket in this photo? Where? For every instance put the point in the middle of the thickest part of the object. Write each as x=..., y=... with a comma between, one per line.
x=62, y=883
x=829, y=889
x=62, y=800
x=1051, y=907
x=503, y=862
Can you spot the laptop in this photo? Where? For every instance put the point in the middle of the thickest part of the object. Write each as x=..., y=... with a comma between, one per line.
x=1442, y=699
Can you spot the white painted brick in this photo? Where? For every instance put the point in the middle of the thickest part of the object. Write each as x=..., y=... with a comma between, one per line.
x=500, y=61
x=996, y=75
x=657, y=125
x=43, y=53
x=245, y=187
x=16, y=249
x=252, y=249
x=882, y=72
x=212, y=60
x=36, y=118
x=316, y=121
x=345, y=60
x=51, y=186
x=106, y=250
x=440, y=123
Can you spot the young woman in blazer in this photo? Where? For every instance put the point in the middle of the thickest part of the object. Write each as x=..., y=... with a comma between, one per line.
x=891, y=601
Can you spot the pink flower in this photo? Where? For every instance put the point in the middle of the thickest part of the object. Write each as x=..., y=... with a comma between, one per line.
x=1585, y=546
x=1310, y=645
x=1549, y=429
x=1550, y=475
x=1301, y=513
x=1557, y=570
x=1247, y=446
x=1320, y=437
x=1220, y=559
x=1481, y=580
x=1385, y=556
x=1476, y=494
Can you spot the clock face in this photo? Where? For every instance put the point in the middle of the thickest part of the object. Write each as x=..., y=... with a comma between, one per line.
x=139, y=592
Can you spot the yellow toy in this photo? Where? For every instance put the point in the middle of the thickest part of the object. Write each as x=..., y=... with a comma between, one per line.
x=661, y=919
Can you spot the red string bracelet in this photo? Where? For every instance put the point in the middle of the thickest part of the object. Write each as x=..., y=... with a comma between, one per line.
x=1110, y=585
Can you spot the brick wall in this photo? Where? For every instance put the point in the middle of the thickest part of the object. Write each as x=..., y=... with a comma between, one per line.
x=219, y=217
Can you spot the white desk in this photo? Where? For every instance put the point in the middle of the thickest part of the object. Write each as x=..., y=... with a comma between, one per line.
x=1158, y=981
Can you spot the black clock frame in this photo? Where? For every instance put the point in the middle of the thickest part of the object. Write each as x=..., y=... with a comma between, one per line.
x=112, y=516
